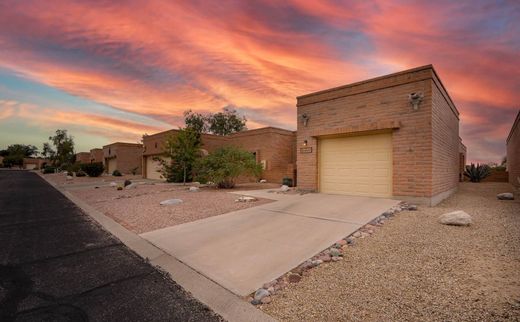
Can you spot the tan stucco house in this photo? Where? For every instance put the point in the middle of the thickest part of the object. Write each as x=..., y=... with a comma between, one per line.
x=83, y=157
x=274, y=148
x=124, y=157
x=513, y=152
x=96, y=155
x=393, y=136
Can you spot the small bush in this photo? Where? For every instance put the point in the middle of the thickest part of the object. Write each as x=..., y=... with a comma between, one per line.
x=80, y=173
x=48, y=169
x=134, y=171
x=116, y=173
x=476, y=173
x=71, y=167
x=93, y=169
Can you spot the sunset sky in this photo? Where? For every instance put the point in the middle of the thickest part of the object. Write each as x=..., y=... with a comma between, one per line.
x=112, y=70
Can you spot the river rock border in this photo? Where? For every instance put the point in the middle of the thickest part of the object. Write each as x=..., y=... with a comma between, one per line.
x=334, y=253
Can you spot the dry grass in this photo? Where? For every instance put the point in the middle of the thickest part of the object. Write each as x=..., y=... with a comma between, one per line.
x=139, y=209
x=415, y=269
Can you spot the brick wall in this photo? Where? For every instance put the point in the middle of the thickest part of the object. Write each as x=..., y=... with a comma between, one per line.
x=445, y=142
x=379, y=105
x=513, y=152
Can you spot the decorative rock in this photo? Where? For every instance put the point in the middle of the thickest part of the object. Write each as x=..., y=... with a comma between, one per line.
x=350, y=241
x=194, y=189
x=334, y=252
x=284, y=188
x=271, y=290
x=344, y=248
x=505, y=196
x=357, y=234
x=170, y=202
x=260, y=294
x=131, y=186
x=388, y=213
x=255, y=302
x=127, y=183
x=336, y=259
x=269, y=284
x=113, y=184
x=266, y=300
x=263, y=181
x=412, y=207
x=69, y=178
x=316, y=262
x=294, y=278
x=456, y=218
x=363, y=235
x=324, y=258
x=340, y=243
x=245, y=199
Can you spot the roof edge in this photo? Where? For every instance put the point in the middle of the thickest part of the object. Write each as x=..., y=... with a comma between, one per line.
x=514, y=127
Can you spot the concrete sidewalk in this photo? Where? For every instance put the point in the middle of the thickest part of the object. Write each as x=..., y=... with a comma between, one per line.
x=242, y=250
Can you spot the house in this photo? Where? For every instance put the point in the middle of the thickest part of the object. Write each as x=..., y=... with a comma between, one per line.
x=124, y=157
x=34, y=163
x=513, y=152
x=96, y=155
x=395, y=136
x=274, y=148
x=83, y=157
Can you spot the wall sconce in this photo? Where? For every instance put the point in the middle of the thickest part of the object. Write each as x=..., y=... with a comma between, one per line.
x=305, y=119
x=415, y=99
x=304, y=142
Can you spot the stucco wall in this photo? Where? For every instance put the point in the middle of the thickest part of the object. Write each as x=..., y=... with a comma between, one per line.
x=513, y=152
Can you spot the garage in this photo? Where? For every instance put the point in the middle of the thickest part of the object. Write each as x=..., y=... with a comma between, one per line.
x=356, y=165
x=111, y=165
x=152, y=169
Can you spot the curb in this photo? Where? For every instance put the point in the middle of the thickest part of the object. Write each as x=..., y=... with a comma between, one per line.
x=220, y=300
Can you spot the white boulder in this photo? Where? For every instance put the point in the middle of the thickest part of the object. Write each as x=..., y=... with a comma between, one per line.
x=69, y=178
x=505, y=196
x=131, y=186
x=284, y=188
x=168, y=202
x=456, y=218
x=194, y=189
x=245, y=199
x=263, y=181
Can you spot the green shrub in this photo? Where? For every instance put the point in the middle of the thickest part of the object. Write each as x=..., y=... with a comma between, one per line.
x=93, y=169
x=226, y=164
x=48, y=169
x=116, y=173
x=71, y=167
x=80, y=173
x=476, y=173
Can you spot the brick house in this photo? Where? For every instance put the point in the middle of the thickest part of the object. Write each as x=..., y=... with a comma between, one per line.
x=96, y=155
x=513, y=152
x=272, y=147
x=83, y=157
x=393, y=136
x=124, y=157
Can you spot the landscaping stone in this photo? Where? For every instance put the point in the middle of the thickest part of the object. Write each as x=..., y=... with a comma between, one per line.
x=263, y=181
x=284, y=188
x=340, y=243
x=69, y=178
x=317, y=262
x=350, y=241
x=294, y=278
x=246, y=199
x=255, y=302
x=324, y=258
x=113, y=184
x=357, y=234
x=456, y=218
x=170, y=202
x=271, y=290
x=334, y=252
x=127, y=182
x=388, y=213
x=506, y=196
x=336, y=259
x=266, y=300
x=194, y=189
x=269, y=284
x=260, y=294
x=131, y=186
x=412, y=207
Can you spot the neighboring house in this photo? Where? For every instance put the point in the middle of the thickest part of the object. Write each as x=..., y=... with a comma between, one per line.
x=124, y=157
x=513, y=152
x=272, y=147
x=83, y=157
x=393, y=136
x=96, y=155
x=34, y=163
x=462, y=159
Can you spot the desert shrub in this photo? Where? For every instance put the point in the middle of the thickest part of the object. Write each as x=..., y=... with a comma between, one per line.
x=93, y=169
x=71, y=167
x=48, y=169
x=80, y=173
x=226, y=164
x=477, y=172
x=116, y=173
x=134, y=171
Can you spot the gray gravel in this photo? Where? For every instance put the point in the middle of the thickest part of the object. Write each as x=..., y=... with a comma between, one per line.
x=416, y=269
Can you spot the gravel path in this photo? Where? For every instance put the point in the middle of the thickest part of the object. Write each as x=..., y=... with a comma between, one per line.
x=139, y=209
x=415, y=269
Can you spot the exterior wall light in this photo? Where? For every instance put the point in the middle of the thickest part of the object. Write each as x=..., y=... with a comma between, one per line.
x=415, y=99
x=305, y=119
x=304, y=142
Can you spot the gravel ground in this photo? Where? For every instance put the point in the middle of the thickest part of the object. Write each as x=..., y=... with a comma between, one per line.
x=139, y=209
x=415, y=269
x=61, y=178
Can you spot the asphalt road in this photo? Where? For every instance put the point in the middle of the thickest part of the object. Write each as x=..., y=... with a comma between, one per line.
x=57, y=264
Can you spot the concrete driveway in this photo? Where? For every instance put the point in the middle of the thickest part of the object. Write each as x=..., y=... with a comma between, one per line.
x=241, y=250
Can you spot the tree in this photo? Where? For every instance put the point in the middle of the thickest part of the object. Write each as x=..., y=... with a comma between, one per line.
x=226, y=164
x=196, y=121
x=61, y=152
x=226, y=122
x=15, y=153
x=183, y=150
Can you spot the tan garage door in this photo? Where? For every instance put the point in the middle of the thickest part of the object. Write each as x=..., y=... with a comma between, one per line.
x=356, y=165
x=112, y=165
x=152, y=169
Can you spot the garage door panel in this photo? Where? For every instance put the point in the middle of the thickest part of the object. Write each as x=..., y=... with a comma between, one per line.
x=153, y=168
x=360, y=165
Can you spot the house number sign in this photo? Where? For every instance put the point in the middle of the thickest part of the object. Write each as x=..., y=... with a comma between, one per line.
x=307, y=149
